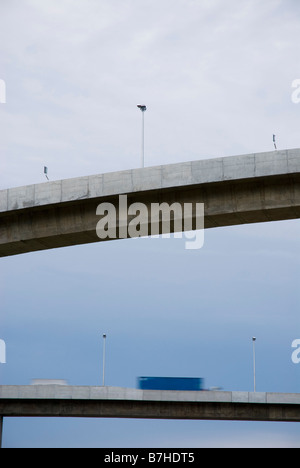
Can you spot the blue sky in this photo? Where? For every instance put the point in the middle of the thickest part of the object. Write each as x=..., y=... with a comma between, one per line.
x=166, y=311
x=217, y=82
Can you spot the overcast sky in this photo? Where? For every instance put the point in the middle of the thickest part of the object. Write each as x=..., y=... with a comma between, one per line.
x=216, y=77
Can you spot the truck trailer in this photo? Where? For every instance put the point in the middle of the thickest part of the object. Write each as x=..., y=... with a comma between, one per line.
x=171, y=383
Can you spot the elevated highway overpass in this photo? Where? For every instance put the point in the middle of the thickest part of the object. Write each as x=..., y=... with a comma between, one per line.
x=235, y=190
x=117, y=402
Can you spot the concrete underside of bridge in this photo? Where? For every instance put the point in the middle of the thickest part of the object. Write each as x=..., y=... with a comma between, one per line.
x=114, y=402
x=235, y=190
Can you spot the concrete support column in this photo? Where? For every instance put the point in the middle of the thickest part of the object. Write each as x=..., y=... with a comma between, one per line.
x=1, y=429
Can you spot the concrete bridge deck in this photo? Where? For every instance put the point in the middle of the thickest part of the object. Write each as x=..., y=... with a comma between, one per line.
x=235, y=190
x=116, y=402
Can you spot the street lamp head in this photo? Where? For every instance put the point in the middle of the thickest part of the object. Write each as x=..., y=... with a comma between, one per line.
x=142, y=107
x=253, y=339
x=104, y=335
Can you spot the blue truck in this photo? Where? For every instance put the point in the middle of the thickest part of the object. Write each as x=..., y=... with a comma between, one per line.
x=170, y=383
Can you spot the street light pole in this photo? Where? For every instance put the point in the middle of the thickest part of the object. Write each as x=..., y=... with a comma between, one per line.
x=104, y=343
x=254, y=370
x=143, y=109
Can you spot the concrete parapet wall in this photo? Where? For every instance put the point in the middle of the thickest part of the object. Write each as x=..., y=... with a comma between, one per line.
x=185, y=174
x=122, y=393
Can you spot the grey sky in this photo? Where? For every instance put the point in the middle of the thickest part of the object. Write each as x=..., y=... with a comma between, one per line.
x=217, y=81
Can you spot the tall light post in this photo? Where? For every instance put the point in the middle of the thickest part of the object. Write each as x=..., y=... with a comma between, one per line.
x=254, y=370
x=104, y=344
x=143, y=109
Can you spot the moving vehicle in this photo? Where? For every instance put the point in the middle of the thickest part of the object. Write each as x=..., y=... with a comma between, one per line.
x=171, y=383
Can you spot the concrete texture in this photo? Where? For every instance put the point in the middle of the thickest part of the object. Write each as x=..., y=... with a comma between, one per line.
x=235, y=190
x=115, y=402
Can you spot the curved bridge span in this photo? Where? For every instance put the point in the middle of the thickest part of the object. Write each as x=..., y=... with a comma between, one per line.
x=235, y=190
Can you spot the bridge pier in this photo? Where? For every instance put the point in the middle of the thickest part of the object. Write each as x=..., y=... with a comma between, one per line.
x=1, y=430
